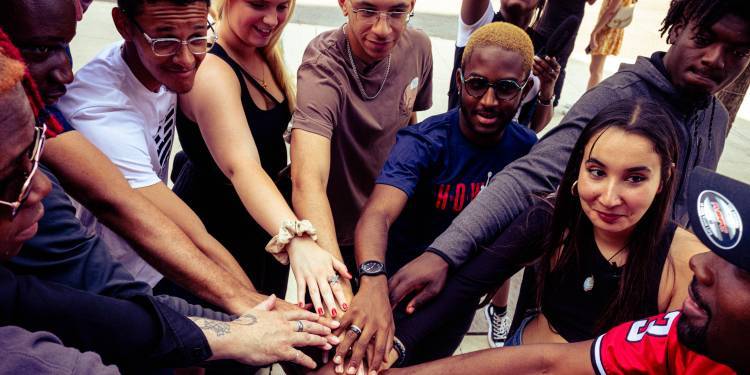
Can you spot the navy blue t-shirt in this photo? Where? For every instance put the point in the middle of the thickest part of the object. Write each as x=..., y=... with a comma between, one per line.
x=441, y=172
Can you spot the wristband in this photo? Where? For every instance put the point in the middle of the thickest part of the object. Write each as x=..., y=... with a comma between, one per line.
x=544, y=102
x=289, y=229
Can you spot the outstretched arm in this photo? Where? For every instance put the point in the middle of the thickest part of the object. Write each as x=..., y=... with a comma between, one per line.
x=311, y=163
x=90, y=177
x=568, y=359
x=225, y=130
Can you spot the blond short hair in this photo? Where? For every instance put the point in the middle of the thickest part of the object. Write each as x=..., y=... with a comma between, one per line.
x=504, y=35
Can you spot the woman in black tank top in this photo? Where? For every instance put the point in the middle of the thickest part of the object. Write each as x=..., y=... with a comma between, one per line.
x=231, y=127
x=602, y=247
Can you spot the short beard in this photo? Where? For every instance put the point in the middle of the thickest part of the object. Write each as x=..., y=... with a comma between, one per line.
x=694, y=338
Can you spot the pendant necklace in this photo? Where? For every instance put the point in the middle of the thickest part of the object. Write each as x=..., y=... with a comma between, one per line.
x=588, y=283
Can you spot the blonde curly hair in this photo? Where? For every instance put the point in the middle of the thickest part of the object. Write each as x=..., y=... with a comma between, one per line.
x=504, y=35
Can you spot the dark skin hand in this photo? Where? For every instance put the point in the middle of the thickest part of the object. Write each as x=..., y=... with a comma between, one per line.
x=371, y=311
x=425, y=275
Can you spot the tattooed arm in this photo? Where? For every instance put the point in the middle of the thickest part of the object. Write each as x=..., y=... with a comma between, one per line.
x=262, y=337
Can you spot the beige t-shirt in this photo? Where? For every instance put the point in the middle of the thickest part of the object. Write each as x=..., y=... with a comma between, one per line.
x=361, y=131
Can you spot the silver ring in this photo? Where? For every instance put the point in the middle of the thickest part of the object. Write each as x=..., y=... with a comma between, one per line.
x=357, y=331
x=300, y=326
x=333, y=279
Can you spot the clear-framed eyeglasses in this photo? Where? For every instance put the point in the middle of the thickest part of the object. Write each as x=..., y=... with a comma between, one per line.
x=197, y=45
x=371, y=16
x=21, y=187
x=505, y=89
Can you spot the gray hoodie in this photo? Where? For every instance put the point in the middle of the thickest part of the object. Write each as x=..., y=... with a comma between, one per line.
x=701, y=130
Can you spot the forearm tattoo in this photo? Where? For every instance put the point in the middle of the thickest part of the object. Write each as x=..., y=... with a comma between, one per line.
x=217, y=327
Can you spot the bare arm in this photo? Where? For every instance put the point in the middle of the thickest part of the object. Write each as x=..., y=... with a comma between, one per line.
x=611, y=9
x=473, y=10
x=311, y=163
x=93, y=180
x=569, y=359
x=381, y=210
x=223, y=125
x=677, y=275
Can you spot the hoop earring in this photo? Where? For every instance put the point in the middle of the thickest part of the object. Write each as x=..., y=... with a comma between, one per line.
x=574, y=188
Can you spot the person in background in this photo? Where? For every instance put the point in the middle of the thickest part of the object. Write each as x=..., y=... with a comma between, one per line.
x=535, y=111
x=605, y=40
x=235, y=146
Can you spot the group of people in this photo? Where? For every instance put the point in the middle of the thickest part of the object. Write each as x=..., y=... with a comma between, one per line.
x=634, y=251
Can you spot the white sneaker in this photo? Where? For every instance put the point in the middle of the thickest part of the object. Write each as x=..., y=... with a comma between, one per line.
x=499, y=325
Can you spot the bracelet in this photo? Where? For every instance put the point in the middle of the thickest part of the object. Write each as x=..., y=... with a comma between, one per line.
x=543, y=102
x=289, y=229
x=401, y=350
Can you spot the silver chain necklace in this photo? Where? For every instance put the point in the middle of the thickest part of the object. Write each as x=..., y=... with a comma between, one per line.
x=356, y=75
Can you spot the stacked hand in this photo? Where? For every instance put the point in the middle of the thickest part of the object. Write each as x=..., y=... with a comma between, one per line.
x=261, y=336
x=367, y=328
x=317, y=270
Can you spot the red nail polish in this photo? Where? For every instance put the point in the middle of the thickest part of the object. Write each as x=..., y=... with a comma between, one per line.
x=301, y=305
x=333, y=313
x=345, y=307
x=320, y=311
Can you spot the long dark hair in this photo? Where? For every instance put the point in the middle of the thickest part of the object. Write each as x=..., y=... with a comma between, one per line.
x=567, y=245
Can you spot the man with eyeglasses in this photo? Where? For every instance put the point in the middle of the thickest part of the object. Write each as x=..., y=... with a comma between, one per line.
x=178, y=245
x=356, y=87
x=123, y=101
x=435, y=169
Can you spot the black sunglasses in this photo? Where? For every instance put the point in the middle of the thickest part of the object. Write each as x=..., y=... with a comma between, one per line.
x=505, y=89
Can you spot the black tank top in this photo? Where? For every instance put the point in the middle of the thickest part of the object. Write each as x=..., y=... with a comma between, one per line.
x=266, y=126
x=575, y=313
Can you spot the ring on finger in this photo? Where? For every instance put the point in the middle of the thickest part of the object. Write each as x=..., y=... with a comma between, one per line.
x=334, y=279
x=357, y=331
x=300, y=326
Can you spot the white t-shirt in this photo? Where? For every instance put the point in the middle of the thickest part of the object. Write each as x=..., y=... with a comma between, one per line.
x=130, y=124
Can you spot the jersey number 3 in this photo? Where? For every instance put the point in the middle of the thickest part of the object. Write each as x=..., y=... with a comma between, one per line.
x=652, y=327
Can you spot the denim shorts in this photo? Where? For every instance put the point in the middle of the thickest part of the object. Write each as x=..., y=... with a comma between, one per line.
x=517, y=338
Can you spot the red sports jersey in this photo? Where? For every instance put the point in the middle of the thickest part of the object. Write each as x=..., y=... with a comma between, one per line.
x=649, y=346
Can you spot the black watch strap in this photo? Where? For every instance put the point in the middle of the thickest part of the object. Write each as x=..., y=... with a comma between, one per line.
x=371, y=268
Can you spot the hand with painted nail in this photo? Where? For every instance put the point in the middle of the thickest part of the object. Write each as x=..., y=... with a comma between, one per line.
x=318, y=272
x=369, y=319
x=261, y=336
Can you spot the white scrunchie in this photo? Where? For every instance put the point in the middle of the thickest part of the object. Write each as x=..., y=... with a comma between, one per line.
x=289, y=229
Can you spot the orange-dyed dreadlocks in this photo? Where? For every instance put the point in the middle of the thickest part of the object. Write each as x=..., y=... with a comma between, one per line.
x=32, y=93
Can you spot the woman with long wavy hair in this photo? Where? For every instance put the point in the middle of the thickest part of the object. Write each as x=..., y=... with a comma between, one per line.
x=231, y=127
x=602, y=246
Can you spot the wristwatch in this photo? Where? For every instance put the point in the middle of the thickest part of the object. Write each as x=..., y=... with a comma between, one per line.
x=547, y=102
x=371, y=268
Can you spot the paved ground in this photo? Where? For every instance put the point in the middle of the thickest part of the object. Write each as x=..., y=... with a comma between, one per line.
x=438, y=19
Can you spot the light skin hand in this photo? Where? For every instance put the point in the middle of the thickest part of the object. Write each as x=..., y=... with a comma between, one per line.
x=311, y=158
x=310, y=265
x=426, y=274
x=372, y=313
x=224, y=126
x=261, y=336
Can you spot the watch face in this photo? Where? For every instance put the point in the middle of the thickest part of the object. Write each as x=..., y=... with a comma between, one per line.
x=372, y=266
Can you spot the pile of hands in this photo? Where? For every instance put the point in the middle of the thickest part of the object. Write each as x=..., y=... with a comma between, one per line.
x=364, y=337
